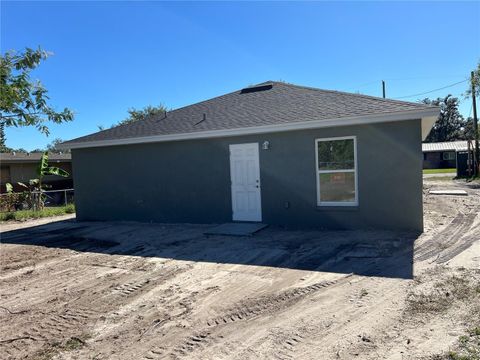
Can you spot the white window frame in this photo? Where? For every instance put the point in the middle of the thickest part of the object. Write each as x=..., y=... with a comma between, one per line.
x=355, y=171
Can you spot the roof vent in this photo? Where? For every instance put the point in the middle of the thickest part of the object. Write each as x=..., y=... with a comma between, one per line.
x=256, y=89
x=203, y=119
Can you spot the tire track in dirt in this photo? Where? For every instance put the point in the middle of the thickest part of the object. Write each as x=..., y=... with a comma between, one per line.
x=83, y=274
x=58, y=325
x=77, y=319
x=177, y=307
x=288, y=349
x=472, y=235
x=244, y=311
x=62, y=243
x=14, y=257
x=294, y=340
x=140, y=282
x=269, y=304
x=285, y=346
x=451, y=241
x=118, y=295
x=131, y=287
x=86, y=289
x=72, y=280
x=52, y=328
x=196, y=342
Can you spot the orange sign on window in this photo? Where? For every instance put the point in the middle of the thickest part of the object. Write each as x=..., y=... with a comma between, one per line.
x=338, y=178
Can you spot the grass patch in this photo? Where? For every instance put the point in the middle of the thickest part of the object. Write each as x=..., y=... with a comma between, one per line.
x=456, y=291
x=73, y=343
x=51, y=350
x=468, y=346
x=439, y=171
x=442, y=295
x=31, y=214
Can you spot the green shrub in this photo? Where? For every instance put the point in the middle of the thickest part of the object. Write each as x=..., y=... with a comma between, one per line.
x=9, y=216
x=32, y=214
x=8, y=201
x=70, y=209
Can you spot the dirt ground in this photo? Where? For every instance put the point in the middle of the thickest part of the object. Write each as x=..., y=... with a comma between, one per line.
x=73, y=290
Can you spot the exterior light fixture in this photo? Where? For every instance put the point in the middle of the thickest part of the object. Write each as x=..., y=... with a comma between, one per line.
x=266, y=145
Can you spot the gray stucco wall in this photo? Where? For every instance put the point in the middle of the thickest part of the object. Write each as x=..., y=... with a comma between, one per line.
x=189, y=181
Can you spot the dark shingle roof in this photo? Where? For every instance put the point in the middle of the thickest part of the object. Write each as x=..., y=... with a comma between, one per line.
x=279, y=104
x=32, y=157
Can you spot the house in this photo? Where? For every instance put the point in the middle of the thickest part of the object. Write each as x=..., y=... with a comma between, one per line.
x=275, y=153
x=21, y=167
x=442, y=155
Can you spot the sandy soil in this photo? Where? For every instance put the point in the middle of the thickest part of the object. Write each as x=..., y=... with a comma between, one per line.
x=73, y=290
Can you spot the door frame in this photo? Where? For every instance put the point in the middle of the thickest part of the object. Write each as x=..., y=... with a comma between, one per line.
x=256, y=146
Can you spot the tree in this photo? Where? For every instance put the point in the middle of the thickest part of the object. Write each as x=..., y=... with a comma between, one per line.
x=139, y=114
x=53, y=146
x=450, y=124
x=468, y=131
x=147, y=111
x=19, y=150
x=3, y=146
x=23, y=102
x=35, y=187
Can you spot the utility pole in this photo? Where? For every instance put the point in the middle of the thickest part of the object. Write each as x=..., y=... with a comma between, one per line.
x=475, y=125
x=383, y=88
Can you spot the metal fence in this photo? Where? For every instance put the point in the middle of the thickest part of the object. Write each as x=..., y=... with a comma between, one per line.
x=17, y=200
x=59, y=197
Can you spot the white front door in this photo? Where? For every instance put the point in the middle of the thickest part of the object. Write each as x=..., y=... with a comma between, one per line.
x=245, y=177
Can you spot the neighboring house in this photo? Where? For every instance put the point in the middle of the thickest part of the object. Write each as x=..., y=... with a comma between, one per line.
x=21, y=167
x=278, y=153
x=442, y=155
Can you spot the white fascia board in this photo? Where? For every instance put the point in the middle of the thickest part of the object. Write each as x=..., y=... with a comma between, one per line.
x=301, y=125
x=446, y=150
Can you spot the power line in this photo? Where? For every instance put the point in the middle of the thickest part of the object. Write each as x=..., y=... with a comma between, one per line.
x=423, y=77
x=430, y=91
x=356, y=87
x=366, y=84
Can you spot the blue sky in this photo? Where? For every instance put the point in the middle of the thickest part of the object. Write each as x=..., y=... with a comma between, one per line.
x=110, y=56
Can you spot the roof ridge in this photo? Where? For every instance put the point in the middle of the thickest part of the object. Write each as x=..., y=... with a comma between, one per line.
x=204, y=101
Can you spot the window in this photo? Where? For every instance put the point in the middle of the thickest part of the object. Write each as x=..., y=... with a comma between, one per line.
x=448, y=155
x=336, y=171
